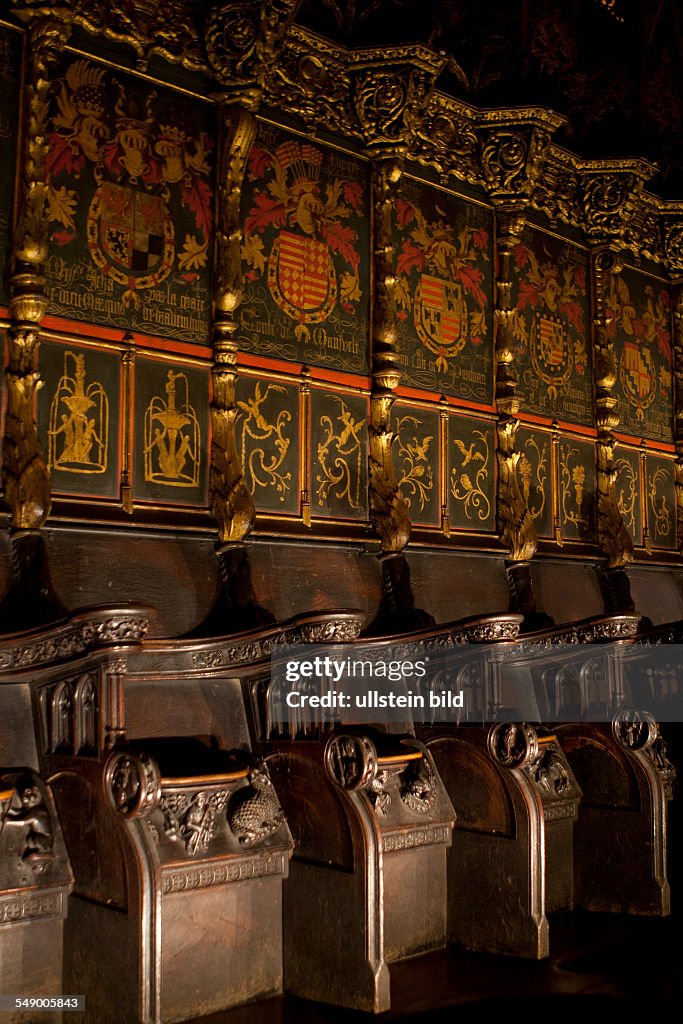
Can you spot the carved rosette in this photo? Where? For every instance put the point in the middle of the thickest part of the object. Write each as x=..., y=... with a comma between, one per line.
x=613, y=537
x=25, y=476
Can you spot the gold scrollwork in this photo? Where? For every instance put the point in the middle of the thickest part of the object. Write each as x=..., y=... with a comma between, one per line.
x=627, y=496
x=659, y=507
x=417, y=477
x=463, y=488
x=264, y=466
x=172, y=437
x=78, y=438
x=340, y=457
x=533, y=473
x=572, y=485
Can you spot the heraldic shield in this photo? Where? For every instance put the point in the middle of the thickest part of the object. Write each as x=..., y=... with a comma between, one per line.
x=637, y=375
x=440, y=318
x=552, y=354
x=302, y=279
x=131, y=237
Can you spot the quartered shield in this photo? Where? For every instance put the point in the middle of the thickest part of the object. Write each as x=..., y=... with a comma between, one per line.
x=440, y=317
x=637, y=375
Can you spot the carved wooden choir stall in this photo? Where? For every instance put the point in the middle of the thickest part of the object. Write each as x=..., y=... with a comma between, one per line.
x=304, y=349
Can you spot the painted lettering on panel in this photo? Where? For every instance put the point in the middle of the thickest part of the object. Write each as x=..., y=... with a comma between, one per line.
x=443, y=247
x=129, y=203
x=471, y=473
x=639, y=311
x=552, y=337
x=305, y=253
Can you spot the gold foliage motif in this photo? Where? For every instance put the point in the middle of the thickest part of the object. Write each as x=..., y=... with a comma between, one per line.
x=264, y=445
x=534, y=475
x=572, y=486
x=172, y=436
x=627, y=492
x=658, y=483
x=469, y=479
x=340, y=456
x=417, y=478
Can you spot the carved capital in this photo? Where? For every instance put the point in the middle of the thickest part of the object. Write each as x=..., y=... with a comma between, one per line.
x=391, y=95
x=513, y=145
x=610, y=195
x=243, y=43
x=673, y=246
x=446, y=139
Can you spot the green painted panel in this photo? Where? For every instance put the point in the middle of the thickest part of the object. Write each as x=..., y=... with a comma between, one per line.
x=268, y=442
x=417, y=457
x=471, y=474
x=305, y=253
x=129, y=200
x=339, y=432
x=170, y=449
x=444, y=261
x=552, y=347
x=79, y=417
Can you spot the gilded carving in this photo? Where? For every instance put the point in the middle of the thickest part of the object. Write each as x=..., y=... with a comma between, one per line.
x=513, y=145
x=231, y=503
x=389, y=512
x=243, y=41
x=613, y=537
x=25, y=475
x=610, y=196
x=678, y=406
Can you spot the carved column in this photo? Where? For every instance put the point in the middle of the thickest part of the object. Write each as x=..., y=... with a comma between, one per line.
x=674, y=258
x=613, y=537
x=242, y=43
x=512, y=158
x=30, y=600
x=390, y=98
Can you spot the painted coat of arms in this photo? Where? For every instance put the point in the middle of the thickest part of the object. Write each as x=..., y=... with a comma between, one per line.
x=552, y=330
x=302, y=253
x=639, y=312
x=443, y=270
x=129, y=201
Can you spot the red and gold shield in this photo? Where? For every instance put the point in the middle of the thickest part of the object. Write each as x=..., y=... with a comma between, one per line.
x=637, y=375
x=440, y=317
x=302, y=278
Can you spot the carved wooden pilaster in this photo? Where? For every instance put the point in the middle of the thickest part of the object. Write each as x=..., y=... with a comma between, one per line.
x=511, y=158
x=242, y=43
x=30, y=600
x=389, y=511
x=613, y=537
x=231, y=503
x=390, y=98
x=678, y=406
